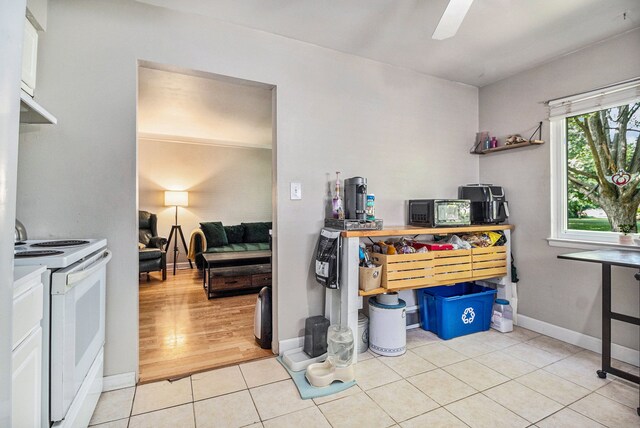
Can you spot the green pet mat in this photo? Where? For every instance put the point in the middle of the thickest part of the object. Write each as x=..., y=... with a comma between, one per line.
x=308, y=391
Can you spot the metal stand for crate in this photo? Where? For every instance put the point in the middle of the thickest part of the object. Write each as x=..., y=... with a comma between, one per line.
x=342, y=305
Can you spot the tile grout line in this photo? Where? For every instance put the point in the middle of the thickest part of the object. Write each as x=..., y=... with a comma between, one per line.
x=587, y=416
x=426, y=395
x=495, y=402
x=551, y=374
x=253, y=401
x=390, y=383
x=534, y=391
x=135, y=392
x=624, y=382
x=157, y=410
x=468, y=384
x=193, y=406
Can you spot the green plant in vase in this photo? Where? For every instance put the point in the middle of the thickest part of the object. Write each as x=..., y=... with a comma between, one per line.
x=625, y=233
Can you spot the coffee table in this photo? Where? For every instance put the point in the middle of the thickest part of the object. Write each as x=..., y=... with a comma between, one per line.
x=236, y=271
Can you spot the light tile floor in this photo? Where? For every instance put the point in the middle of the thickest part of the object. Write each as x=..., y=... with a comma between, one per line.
x=488, y=379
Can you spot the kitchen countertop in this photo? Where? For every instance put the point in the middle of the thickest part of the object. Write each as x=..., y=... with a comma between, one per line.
x=415, y=230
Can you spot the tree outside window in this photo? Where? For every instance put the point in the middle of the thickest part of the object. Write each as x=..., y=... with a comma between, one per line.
x=601, y=147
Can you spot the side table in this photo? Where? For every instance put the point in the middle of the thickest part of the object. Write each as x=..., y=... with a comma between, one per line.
x=608, y=258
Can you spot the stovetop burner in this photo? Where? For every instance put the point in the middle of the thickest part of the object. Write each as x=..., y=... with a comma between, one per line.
x=61, y=243
x=38, y=253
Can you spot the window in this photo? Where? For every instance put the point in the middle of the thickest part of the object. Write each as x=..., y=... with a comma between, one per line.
x=596, y=164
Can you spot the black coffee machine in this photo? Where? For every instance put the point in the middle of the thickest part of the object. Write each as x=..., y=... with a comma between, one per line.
x=488, y=203
x=355, y=198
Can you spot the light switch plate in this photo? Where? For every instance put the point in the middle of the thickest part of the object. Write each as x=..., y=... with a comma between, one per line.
x=296, y=191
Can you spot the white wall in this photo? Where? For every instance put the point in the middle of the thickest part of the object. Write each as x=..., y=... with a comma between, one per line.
x=407, y=132
x=231, y=185
x=11, y=35
x=562, y=293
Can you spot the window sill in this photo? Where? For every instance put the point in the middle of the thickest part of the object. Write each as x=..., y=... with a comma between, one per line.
x=589, y=245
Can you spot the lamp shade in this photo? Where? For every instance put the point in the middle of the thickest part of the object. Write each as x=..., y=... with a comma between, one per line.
x=177, y=199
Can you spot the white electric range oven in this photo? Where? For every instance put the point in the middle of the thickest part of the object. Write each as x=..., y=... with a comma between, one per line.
x=74, y=326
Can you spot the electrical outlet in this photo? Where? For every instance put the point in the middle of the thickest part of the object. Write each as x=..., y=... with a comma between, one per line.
x=296, y=191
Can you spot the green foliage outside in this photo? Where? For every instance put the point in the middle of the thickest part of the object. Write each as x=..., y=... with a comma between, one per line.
x=589, y=223
x=599, y=144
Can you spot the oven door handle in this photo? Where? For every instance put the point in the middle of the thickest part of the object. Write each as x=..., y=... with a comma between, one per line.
x=74, y=278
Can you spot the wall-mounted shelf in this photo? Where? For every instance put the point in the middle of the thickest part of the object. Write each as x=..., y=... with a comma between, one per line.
x=509, y=147
x=529, y=142
x=32, y=112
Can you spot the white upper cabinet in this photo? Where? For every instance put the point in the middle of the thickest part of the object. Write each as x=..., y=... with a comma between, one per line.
x=35, y=22
x=29, y=57
x=37, y=13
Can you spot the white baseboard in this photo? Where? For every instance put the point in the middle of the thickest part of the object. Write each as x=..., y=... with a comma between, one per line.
x=622, y=353
x=287, y=344
x=119, y=381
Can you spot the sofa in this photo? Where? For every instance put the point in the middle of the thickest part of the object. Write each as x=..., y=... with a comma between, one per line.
x=228, y=239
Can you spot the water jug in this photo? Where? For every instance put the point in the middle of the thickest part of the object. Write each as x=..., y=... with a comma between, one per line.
x=340, y=345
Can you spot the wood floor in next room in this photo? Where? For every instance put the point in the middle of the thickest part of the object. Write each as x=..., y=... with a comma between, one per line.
x=181, y=332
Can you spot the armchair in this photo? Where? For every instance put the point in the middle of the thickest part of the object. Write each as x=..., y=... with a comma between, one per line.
x=152, y=256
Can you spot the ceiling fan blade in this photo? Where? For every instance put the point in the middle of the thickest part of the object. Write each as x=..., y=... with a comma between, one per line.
x=451, y=19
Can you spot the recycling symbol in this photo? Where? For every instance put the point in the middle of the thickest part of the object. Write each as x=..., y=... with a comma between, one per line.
x=468, y=315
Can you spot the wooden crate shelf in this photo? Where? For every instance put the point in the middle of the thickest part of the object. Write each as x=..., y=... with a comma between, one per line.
x=419, y=270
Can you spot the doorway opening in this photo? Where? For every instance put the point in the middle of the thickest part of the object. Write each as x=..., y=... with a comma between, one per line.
x=206, y=171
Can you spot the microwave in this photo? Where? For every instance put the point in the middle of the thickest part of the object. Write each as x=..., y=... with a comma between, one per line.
x=439, y=212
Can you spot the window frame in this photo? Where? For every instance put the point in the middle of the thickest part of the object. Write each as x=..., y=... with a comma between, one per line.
x=589, y=102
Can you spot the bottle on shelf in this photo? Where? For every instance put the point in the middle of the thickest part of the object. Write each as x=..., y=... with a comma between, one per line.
x=494, y=142
x=337, y=209
x=370, y=207
x=487, y=143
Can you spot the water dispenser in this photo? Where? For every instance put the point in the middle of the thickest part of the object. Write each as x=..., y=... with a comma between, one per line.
x=339, y=363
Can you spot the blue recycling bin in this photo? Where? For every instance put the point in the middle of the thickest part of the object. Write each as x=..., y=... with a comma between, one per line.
x=455, y=310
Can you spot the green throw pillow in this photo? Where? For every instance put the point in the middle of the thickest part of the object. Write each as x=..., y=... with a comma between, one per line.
x=235, y=233
x=256, y=232
x=215, y=234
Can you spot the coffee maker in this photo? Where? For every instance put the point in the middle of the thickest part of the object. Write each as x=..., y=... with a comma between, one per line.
x=488, y=203
x=355, y=198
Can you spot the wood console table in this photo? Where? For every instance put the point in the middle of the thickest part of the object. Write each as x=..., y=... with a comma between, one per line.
x=235, y=271
x=608, y=258
x=341, y=306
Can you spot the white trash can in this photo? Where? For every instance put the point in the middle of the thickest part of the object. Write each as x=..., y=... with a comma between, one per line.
x=363, y=333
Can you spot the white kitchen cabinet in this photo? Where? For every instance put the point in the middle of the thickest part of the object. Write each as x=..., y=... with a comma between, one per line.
x=29, y=57
x=27, y=344
x=26, y=403
x=37, y=13
x=35, y=21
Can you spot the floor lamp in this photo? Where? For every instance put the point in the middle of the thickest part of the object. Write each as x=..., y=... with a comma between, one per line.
x=176, y=199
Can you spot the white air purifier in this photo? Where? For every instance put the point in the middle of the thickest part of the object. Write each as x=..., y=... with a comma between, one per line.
x=387, y=325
